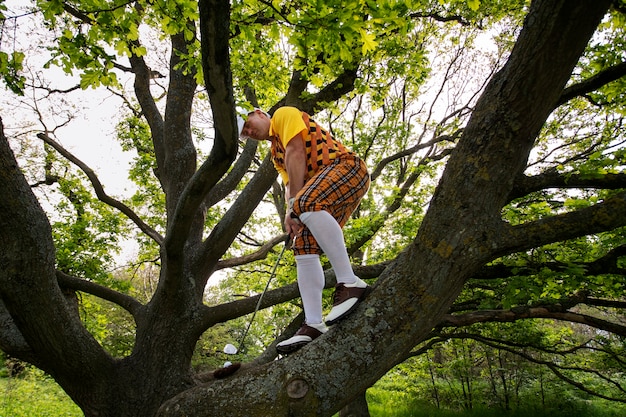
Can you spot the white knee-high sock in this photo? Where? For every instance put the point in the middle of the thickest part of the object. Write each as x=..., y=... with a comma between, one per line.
x=310, y=284
x=329, y=235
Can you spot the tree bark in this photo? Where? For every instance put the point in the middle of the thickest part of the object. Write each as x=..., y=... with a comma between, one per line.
x=357, y=408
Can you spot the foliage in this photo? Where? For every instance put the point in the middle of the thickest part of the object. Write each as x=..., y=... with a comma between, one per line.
x=464, y=376
x=85, y=243
x=11, y=63
x=110, y=325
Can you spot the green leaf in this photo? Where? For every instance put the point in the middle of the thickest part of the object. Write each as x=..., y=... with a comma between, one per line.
x=369, y=43
x=10, y=67
x=473, y=4
x=90, y=78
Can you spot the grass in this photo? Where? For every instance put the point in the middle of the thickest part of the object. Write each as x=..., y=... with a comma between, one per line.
x=35, y=395
x=385, y=403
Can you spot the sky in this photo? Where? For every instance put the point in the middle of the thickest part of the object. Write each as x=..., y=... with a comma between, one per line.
x=90, y=135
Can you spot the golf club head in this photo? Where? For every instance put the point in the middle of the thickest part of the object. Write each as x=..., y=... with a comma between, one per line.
x=230, y=349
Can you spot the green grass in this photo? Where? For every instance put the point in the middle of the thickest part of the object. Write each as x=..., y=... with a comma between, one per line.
x=416, y=409
x=426, y=410
x=395, y=403
x=34, y=395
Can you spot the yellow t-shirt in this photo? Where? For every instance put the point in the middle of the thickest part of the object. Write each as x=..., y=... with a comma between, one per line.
x=286, y=124
x=321, y=148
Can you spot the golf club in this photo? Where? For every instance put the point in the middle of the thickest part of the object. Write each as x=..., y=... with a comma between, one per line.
x=229, y=367
x=258, y=304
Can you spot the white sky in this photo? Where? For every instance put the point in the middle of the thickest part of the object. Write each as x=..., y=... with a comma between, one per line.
x=90, y=136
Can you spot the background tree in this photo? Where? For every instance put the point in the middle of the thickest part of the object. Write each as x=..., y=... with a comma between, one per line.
x=489, y=203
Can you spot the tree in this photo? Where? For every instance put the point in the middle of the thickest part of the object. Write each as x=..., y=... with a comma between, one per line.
x=461, y=232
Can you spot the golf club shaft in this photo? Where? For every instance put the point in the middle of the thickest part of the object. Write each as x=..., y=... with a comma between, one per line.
x=258, y=304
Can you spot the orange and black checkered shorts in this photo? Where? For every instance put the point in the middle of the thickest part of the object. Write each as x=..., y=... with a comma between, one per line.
x=337, y=188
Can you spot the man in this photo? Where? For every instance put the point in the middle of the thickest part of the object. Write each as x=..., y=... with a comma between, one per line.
x=324, y=183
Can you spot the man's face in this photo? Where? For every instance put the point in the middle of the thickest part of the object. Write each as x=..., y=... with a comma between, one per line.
x=257, y=126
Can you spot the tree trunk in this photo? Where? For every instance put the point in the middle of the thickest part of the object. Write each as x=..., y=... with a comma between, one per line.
x=357, y=408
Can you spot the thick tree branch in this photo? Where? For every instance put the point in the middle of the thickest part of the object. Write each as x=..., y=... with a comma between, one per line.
x=336, y=89
x=602, y=217
x=230, y=182
x=297, y=86
x=591, y=84
x=214, y=29
x=525, y=185
x=57, y=338
x=12, y=341
x=185, y=188
x=597, y=302
x=99, y=189
x=607, y=264
x=342, y=85
x=149, y=108
x=224, y=312
x=553, y=311
x=223, y=234
x=127, y=302
x=178, y=106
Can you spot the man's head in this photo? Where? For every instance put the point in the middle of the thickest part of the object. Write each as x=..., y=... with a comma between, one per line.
x=255, y=126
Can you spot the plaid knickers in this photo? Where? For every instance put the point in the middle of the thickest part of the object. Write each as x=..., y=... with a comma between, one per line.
x=337, y=188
